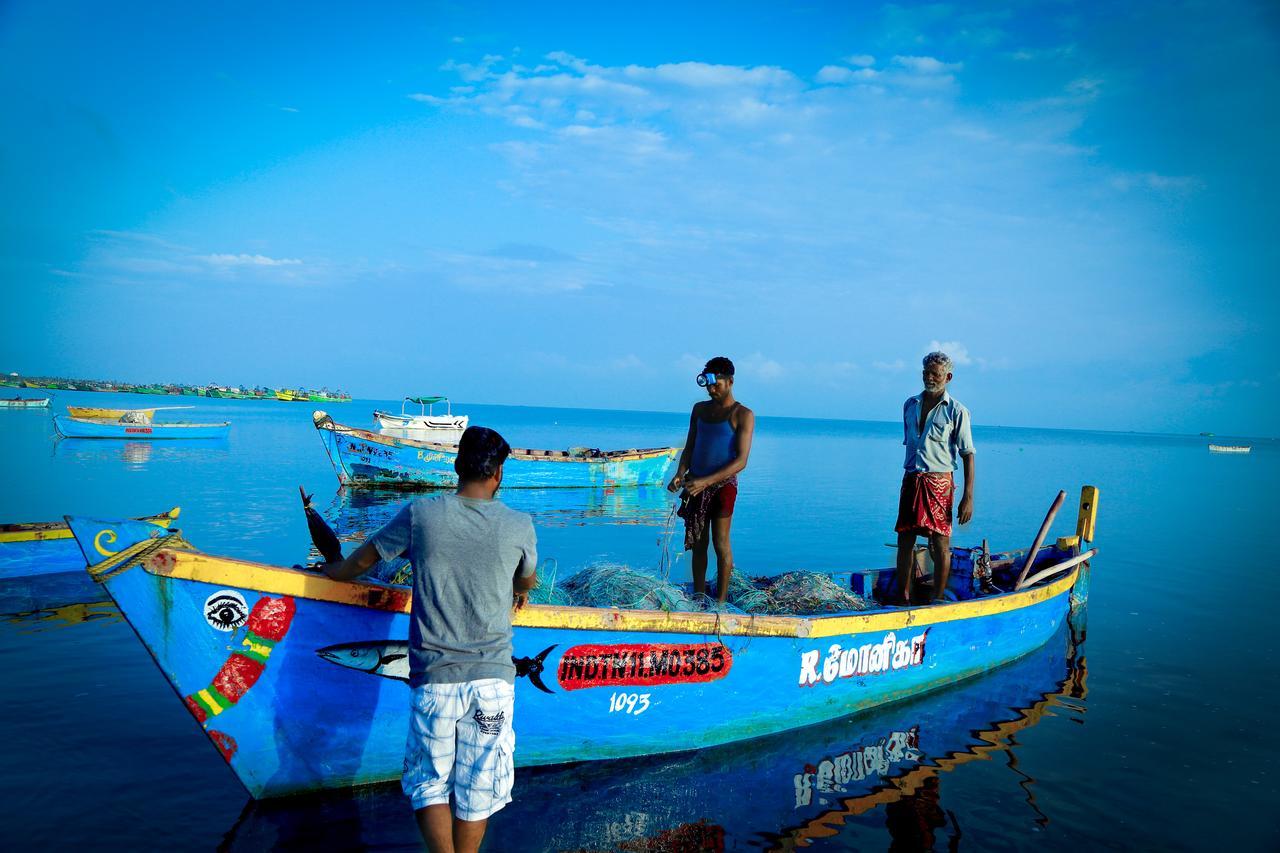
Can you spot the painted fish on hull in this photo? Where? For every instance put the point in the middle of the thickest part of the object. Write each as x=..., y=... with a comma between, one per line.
x=391, y=660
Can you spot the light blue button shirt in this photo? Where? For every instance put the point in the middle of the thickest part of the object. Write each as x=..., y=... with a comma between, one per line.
x=947, y=435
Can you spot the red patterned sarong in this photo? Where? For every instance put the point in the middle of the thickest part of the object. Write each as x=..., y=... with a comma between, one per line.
x=924, y=506
x=712, y=502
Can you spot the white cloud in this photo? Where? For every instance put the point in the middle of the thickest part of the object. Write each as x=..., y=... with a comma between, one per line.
x=766, y=369
x=895, y=366
x=862, y=60
x=247, y=260
x=959, y=352
x=927, y=65
x=834, y=74
x=1156, y=182
x=961, y=357
x=473, y=72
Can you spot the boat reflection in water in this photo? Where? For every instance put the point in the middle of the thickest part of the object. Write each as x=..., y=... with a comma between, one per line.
x=65, y=616
x=877, y=772
x=138, y=455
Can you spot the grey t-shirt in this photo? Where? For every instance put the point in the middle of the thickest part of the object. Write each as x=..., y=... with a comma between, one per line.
x=465, y=553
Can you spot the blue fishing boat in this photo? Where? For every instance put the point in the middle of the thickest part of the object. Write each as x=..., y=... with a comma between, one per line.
x=300, y=680
x=41, y=566
x=364, y=458
x=69, y=427
x=805, y=786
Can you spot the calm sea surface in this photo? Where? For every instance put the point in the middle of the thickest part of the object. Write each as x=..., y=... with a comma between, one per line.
x=1154, y=732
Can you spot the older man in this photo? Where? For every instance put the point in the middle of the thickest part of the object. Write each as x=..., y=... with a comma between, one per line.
x=938, y=434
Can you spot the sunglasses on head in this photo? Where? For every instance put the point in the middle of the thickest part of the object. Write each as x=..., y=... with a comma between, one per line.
x=705, y=379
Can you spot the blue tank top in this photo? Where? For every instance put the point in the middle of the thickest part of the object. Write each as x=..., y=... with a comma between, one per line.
x=713, y=447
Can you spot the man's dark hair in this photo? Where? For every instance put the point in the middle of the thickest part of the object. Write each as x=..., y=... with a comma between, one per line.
x=720, y=366
x=480, y=453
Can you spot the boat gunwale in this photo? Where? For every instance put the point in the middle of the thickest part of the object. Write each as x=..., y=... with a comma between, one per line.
x=324, y=421
x=200, y=567
x=152, y=425
x=43, y=531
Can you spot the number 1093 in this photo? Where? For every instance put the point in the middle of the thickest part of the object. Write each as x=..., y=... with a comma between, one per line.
x=629, y=703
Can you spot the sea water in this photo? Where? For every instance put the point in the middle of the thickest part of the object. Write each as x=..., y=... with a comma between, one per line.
x=1144, y=725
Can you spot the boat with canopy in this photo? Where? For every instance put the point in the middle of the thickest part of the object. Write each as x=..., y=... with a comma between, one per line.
x=446, y=428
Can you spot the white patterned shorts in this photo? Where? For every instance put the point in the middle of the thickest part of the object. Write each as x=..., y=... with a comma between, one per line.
x=461, y=743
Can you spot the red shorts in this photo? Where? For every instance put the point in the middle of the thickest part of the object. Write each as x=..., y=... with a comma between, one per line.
x=723, y=500
x=924, y=504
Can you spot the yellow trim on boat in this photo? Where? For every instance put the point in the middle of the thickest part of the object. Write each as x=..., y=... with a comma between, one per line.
x=41, y=532
x=95, y=414
x=220, y=571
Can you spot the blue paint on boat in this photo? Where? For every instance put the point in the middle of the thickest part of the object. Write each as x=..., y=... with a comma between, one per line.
x=43, y=574
x=364, y=458
x=69, y=427
x=46, y=568
x=785, y=791
x=290, y=716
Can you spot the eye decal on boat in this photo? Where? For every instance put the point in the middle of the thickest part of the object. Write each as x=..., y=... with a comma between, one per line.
x=226, y=610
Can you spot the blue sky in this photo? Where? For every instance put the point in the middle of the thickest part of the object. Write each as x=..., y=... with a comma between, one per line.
x=578, y=206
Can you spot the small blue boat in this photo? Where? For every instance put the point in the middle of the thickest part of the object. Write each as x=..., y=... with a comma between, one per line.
x=300, y=680
x=42, y=567
x=69, y=427
x=364, y=458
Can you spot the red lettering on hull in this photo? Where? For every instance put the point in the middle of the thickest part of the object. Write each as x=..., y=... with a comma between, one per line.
x=643, y=664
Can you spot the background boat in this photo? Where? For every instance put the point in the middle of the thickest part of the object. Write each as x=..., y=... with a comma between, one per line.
x=99, y=414
x=69, y=427
x=361, y=457
x=42, y=567
x=426, y=425
x=25, y=403
x=1229, y=448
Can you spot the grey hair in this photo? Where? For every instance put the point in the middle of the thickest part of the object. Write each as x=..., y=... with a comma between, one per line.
x=939, y=358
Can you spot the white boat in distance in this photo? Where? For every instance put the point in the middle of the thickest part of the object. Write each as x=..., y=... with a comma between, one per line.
x=429, y=426
x=1230, y=448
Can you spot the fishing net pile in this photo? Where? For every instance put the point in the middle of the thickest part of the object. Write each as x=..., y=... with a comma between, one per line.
x=612, y=585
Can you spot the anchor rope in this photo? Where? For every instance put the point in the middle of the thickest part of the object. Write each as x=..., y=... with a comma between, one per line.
x=136, y=555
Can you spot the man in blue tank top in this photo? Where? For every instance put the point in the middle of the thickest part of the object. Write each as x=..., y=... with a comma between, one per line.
x=715, y=450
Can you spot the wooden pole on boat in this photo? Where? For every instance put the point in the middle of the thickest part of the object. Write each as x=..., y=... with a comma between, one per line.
x=1044, y=529
x=1057, y=568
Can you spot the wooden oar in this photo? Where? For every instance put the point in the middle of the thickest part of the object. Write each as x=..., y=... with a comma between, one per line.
x=1044, y=529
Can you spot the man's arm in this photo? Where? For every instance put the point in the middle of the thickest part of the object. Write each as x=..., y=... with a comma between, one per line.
x=682, y=467
x=963, y=437
x=965, y=512
x=360, y=561
x=526, y=577
x=742, y=445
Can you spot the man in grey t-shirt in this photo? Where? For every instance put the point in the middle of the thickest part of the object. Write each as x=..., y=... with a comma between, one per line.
x=470, y=555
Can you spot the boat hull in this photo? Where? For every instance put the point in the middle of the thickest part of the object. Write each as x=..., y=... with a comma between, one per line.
x=361, y=458
x=292, y=687
x=95, y=414
x=69, y=427
x=42, y=567
x=31, y=403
